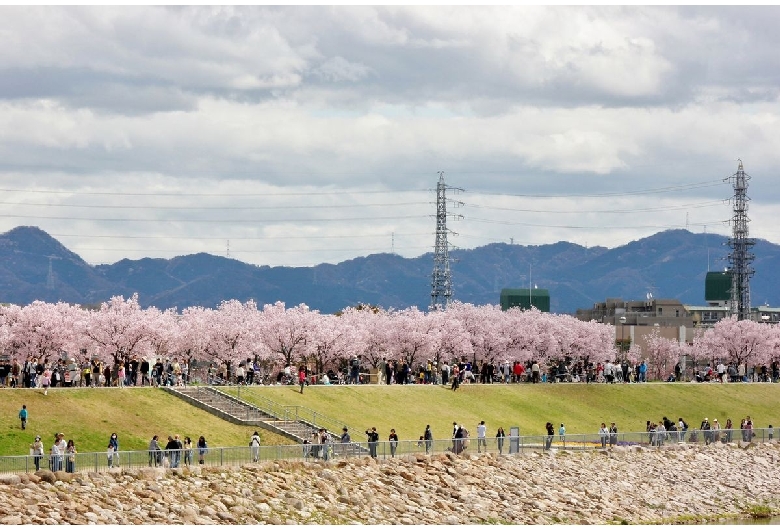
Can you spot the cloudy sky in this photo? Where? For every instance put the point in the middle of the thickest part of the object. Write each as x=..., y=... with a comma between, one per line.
x=296, y=136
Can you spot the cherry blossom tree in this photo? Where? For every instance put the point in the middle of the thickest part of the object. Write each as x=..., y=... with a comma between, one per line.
x=43, y=330
x=117, y=330
x=232, y=332
x=661, y=355
x=370, y=332
x=332, y=341
x=739, y=341
x=283, y=332
x=413, y=336
x=454, y=341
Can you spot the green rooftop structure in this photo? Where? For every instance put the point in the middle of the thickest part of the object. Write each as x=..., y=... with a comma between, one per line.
x=717, y=287
x=525, y=299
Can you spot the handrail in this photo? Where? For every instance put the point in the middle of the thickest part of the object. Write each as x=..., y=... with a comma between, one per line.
x=237, y=456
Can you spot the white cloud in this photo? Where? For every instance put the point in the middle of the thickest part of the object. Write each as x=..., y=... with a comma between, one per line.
x=333, y=102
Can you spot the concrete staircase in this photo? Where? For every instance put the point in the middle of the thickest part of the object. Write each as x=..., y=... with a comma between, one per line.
x=293, y=422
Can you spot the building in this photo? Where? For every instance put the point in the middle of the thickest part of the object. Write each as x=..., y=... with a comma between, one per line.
x=526, y=299
x=636, y=320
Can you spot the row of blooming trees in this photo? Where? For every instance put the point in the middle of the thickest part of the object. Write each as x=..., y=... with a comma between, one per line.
x=278, y=335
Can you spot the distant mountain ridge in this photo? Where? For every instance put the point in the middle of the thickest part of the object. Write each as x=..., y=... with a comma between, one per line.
x=670, y=264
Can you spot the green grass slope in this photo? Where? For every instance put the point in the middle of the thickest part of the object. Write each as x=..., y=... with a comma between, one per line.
x=580, y=407
x=89, y=416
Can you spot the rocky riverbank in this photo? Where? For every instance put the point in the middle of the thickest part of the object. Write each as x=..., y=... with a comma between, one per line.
x=635, y=485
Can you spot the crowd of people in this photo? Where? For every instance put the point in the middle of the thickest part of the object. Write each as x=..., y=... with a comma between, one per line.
x=667, y=430
x=35, y=373
x=132, y=371
x=180, y=451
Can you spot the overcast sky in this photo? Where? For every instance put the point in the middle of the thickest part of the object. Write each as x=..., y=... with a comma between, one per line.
x=296, y=136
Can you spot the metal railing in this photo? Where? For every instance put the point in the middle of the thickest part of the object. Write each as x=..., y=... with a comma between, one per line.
x=237, y=456
x=290, y=413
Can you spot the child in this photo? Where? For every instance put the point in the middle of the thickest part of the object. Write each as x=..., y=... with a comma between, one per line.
x=46, y=381
x=110, y=454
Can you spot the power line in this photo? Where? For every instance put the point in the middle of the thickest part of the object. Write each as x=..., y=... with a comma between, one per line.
x=237, y=221
x=179, y=194
x=229, y=207
x=613, y=211
x=246, y=238
x=667, y=189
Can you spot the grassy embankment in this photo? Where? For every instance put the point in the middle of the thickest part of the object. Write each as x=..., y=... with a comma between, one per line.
x=90, y=415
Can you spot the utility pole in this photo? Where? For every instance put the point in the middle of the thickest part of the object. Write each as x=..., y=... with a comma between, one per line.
x=441, y=282
x=50, y=283
x=740, y=257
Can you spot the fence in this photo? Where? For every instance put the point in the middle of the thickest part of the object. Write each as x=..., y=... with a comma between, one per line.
x=236, y=456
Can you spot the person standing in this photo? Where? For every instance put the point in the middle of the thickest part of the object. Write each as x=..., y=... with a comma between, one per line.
x=603, y=435
x=113, y=441
x=500, y=440
x=550, y=434
x=393, y=439
x=254, y=444
x=613, y=434
x=562, y=434
x=203, y=450
x=481, y=433
x=110, y=453
x=187, y=451
x=55, y=462
x=345, y=440
x=36, y=450
x=682, y=428
x=70, y=457
x=23, y=416
x=373, y=441
x=179, y=450
x=325, y=442
x=428, y=437
x=170, y=450
x=154, y=452
x=729, y=426
x=301, y=377
x=535, y=372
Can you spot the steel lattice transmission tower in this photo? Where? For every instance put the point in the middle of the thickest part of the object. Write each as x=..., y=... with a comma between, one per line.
x=740, y=256
x=441, y=281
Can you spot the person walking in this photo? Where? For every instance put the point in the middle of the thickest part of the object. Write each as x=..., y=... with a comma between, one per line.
x=481, y=434
x=23, y=416
x=301, y=377
x=254, y=444
x=393, y=439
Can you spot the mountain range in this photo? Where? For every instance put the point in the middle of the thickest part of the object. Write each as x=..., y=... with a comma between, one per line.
x=669, y=264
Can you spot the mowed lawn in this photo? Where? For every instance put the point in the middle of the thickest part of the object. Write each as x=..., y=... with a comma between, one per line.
x=89, y=416
x=582, y=408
